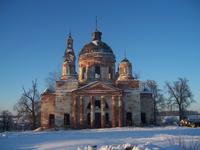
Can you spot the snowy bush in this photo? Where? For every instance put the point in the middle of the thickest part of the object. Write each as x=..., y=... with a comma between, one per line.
x=170, y=120
x=126, y=146
x=185, y=144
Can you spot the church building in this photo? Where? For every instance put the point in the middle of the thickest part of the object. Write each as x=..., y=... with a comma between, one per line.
x=97, y=96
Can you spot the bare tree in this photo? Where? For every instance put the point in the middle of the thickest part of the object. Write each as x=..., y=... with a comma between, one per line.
x=180, y=95
x=6, y=120
x=158, y=98
x=51, y=79
x=136, y=75
x=28, y=105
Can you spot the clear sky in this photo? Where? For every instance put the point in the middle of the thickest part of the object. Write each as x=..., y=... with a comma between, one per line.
x=161, y=39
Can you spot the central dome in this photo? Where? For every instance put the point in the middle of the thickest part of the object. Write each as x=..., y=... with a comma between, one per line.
x=96, y=46
x=96, y=60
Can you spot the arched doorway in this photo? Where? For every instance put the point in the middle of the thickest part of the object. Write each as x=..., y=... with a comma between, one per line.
x=129, y=119
x=51, y=120
x=66, y=120
x=97, y=114
x=143, y=118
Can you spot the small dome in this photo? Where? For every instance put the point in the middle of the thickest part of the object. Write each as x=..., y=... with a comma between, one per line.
x=125, y=60
x=125, y=70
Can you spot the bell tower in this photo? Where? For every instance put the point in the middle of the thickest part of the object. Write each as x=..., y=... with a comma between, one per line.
x=68, y=67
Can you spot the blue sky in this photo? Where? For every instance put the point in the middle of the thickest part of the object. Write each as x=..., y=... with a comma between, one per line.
x=161, y=39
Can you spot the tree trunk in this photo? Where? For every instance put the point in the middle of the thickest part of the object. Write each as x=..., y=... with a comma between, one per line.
x=154, y=111
x=180, y=113
x=33, y=116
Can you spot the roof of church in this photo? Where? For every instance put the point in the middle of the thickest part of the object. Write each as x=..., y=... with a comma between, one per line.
x=96, y=46
x=125, y=60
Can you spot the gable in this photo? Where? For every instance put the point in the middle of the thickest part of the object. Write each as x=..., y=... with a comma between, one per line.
x=98, y=86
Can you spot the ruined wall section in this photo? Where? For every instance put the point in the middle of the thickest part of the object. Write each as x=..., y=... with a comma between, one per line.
x=63, y=99
x=47, y=108
x=147, y=107
x=132, y=105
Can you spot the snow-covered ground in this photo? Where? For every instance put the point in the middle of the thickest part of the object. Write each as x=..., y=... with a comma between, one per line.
x=155, y=138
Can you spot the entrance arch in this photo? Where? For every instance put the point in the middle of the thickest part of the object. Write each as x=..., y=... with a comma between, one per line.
x=51, y=120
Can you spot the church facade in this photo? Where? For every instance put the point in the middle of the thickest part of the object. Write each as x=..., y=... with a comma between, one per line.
x=97, y=96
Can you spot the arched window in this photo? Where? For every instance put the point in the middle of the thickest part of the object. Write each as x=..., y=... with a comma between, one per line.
x=97, y=72
x=83, y=73
x=97, y=104
x=110, y=73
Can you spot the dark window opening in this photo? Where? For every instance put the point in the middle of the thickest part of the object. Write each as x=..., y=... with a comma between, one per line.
x=107, y=106
x=88, y=119
x=97, y=104
x=97, y=120
x=66, y=120
x=129, y=119
x=107, y=119
x=51, y=120
x=110, y=73
x=83, y=73
x=88, y=106
x=143, y=118
x=97, y=72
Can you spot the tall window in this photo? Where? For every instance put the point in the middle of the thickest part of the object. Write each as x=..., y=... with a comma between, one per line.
x=83, y=73
x=110, y=73
x=97, y=104
x=107, y=119
x=97, y=72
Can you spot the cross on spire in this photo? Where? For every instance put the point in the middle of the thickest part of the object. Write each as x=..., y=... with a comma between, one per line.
x=70, y=34
x=125, y=53
x=96, y=24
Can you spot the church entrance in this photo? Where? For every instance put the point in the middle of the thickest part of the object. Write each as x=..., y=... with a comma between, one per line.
x=66, y=120
x=97, y=120
x=51, y=120
x=143, y=118
x=88, y=119
x=129, y=119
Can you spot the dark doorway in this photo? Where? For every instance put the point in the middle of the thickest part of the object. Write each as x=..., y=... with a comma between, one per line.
x=88, y=119
x=107, y=119
x=66, y=120
x=129, y=119
x=51, y=120
x=97, y=120
x=97, y=104
x=143, y=118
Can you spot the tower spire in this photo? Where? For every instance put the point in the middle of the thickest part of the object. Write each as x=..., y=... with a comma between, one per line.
x=69, y=41
x=70, y=34
x=68, y=67
x=125, y=53
x=96, y=24
x=96, y=35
